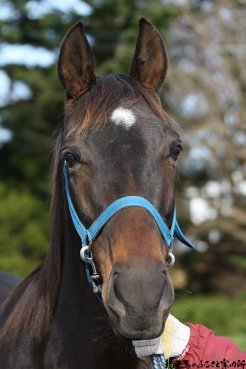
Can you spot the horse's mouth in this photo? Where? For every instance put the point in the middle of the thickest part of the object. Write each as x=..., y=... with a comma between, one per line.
x=144, y=328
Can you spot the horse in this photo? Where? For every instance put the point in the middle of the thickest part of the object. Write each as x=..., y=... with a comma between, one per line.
x=7, y=282
x=113, y=184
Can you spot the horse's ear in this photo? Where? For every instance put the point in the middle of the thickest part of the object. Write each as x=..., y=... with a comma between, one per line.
x=76, y=62
x=149, y=64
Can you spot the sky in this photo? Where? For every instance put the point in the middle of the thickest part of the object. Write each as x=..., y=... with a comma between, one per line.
x=37, y=56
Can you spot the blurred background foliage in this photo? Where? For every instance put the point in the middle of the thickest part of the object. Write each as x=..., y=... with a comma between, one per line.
x=205, y=92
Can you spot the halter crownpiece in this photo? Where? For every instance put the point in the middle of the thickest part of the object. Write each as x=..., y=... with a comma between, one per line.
x=87, y=235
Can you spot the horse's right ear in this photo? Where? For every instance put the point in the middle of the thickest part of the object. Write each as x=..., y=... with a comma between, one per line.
x=76, y=62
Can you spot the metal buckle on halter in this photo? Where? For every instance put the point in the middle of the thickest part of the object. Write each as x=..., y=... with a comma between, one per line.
x=87, y=257
x=170, y=260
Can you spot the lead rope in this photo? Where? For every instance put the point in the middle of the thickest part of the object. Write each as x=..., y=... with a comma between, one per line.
x=159, y=361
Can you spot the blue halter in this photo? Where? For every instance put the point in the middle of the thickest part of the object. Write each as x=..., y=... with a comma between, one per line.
x=87, y=235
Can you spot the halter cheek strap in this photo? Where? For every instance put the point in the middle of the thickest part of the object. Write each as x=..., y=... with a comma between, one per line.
x=87, y=235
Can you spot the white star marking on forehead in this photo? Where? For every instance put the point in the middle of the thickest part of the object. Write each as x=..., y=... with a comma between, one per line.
x=123, y=117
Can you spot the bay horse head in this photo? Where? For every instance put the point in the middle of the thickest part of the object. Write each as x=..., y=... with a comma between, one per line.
x=117, y=142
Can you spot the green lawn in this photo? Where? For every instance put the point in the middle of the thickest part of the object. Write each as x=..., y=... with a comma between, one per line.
x=225, y=316
x=240, y=340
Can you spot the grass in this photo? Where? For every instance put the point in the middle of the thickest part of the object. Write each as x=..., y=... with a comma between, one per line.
x=225, y=316
x=240, y=340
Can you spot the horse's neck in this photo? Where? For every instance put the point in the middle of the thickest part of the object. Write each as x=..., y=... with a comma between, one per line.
x=81, y=328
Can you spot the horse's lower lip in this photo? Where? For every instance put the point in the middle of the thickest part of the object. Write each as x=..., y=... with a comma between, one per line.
x=138, y=335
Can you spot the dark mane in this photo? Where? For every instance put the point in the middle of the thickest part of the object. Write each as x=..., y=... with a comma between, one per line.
x=37, y=294
x=31, y=305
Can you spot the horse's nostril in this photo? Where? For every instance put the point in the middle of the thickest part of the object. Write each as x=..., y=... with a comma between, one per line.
x=114, y=300
x=116, y=306
x=117, y=292
x=115, y=274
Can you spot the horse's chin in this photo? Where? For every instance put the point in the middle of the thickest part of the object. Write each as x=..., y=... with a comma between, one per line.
x=137, y=335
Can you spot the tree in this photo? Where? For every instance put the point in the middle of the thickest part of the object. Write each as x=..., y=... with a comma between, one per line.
x=207, y=95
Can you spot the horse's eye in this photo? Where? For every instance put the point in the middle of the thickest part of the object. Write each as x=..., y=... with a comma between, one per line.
x=176, y=151
x=69, y=158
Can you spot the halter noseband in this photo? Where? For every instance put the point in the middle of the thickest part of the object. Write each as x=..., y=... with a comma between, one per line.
x=87, y=235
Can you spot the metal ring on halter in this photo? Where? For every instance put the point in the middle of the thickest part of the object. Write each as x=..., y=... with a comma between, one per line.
x=170, y=260
x=86, y=256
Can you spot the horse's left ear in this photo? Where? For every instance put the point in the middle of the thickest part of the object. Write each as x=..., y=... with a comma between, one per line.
x=76, y=62
x=149, y=64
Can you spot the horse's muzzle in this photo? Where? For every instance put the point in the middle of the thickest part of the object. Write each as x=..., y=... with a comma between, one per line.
x=138, y=299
